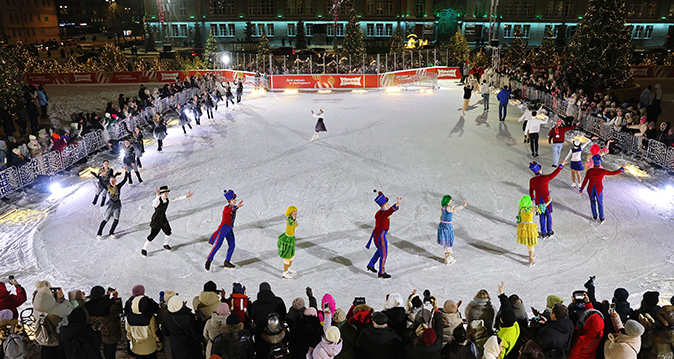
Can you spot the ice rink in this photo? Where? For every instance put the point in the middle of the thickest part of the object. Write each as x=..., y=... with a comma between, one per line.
x=408, y=144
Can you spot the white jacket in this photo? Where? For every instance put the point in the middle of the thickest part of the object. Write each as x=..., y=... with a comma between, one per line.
x=533, y=123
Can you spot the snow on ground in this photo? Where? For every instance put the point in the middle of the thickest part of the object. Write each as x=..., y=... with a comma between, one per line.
x=407, y=144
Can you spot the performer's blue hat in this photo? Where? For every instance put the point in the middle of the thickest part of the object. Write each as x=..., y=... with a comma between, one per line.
x=596, y=160
x=229, y=194
x=381, y=199
x=535, y=167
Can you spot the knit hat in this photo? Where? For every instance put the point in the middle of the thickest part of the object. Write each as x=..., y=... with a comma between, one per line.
x=596, y=160
x=42, y=132
x=339, y=316
x=210, y=286
x=534, y=167
x=97, y=292
x=41, y=284
x=379, y=319
x=223, y=309
x=229, y=195
x=642, y=119
x=595, y=149
x=445, y=200
x=175, y=304
x=621, y=294
x=310, y=312
x=380, y=199
x=298, y=303
x=233, y=319
x=265, y=286
x=552, y=300
x=138, y=290
x=238, y=288
x=6, y=314
x=16, y=151
x=290, y=210
x=508, y=318
x=428, y=336
x=651, y=298
x=333, y=335
x=634, y=328
x=31, y=137
x=450, y=307
x=165, y=189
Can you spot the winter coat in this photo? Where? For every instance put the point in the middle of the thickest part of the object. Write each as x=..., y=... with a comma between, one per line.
x=555, y=337
x=478, y=333
x=263, y=346
x=325, y=350
x=105, y=314
x=184, y=333
x=44, y=302
x=464, y=350
x=34, y=148
x=42, y=98
x=509, y=335
x=397, y=320
x=422, y=351
x=491, y=349
x=141, y=325
x=480, y=308
x=587, y=338
x=304, y=334
x=449, y=322
x=658, y=342
x=205, y=305
x=46, y=143
x=503, y=96
x=619, y=345
x=12, y=301
x=350, y=345
x=379, y=343
x=238, y=304
x=265, y=304
x=58, y=143
x=233, y=343
x=78, y=340
x=214, y=326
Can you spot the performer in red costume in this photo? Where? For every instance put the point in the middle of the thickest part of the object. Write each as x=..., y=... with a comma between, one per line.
x=379, y=234
x=540, y=194
x=225, y=230
x=594, y=178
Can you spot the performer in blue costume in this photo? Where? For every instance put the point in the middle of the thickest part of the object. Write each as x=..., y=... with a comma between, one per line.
x=445, y=229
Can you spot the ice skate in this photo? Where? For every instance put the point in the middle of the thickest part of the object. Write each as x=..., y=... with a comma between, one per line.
x=371, y=269
x=291, y=271
x=112, y=236
x=449, y=259
x=99, y=237
x=573, y=184
x=384, y=275
x=286, y=275
x=229, y=264
x=167, y=247
x=208, y=264
x=601, y=221
x=143, y=253
x=531, y=264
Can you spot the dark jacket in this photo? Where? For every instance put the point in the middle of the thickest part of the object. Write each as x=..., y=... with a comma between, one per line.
x=104, y=314
x=234, y=343
x=380, y=343
x=266, y=303
x=304, y=334
x=555, y=338
x=78, y=340
x=350, y=346
x=184, y=332
x=397, y=320
x=420, y=350
x=463, y=350
x=148, y=308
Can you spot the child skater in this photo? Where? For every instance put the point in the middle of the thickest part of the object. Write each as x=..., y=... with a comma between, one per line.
x=596, y=150
x=159, y=221
x=527, y=230
x=576, y=162
x=320, y=126
x=226, y=230
x=286, y=243
x=381, y=226
x=445, y=229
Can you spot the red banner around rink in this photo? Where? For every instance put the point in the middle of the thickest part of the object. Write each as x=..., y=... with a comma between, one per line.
x=332, y=81
x=131, y=77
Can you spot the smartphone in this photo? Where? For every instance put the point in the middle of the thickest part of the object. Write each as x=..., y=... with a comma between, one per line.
x=11, y=278
x=326, y=306
x=12, y=281
x=111, y=289
x=611, y=308
x=55, y=290
x=537, y=318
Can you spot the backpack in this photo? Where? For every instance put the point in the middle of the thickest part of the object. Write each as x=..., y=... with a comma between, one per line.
x=45, y=332
x=13, y=348
x=278, y=351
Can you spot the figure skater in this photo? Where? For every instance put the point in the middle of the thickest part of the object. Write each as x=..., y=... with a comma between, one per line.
x=320, y=125
x=445, y=229
x=467, y=91
x=159, y=221
x=527, y=230
x=138, y=145
x=228, y=95
x=596, y=150
x=182, y=118
x=114, y=206
x=594, y=179
x=225, y=230
x=540, y=193
x=159, y=130
x=379, y=234
x=286, y=243
x=576, y=161
x=102, y=179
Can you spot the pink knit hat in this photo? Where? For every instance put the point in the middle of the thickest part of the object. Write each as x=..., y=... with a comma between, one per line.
x=310, y=312
x=138, y=290
x=223, y=309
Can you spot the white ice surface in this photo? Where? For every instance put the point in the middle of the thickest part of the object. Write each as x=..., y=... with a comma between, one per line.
x=408, y=144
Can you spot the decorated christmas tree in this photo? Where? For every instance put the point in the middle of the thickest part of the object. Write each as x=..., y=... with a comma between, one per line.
x=263, y=50
x=517, y=51
x=12, y=62
x=547, y=54
x=397, y=47
x=601, y=44
x=301, y=37
x=353, y=44
x=210, y=50
x=112, y=58
x=458, y=49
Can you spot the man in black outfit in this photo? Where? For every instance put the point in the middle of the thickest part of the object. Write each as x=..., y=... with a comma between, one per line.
x=159, y=221
x=555, y=336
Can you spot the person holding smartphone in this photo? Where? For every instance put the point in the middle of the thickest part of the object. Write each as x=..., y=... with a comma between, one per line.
x=12, y=301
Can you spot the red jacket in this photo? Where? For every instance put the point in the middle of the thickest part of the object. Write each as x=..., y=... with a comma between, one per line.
x=238, y=304
x=556, y=134
x=12, y=301
x=594, y=178
x=381, y=221
x=586, y=340
x=538, y=186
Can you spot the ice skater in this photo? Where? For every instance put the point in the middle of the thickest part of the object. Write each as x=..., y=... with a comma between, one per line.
x=102, y=181
x=207, y=100
x=539, y=191
x=533, y=127
x=467, y=90
x=129, y=161
x=576, y=166
x=379, y=234
x=527, y=231
x=556, y=137
x=159, y=130
x=320, y=125
x=594, y=179
x=225, y=230
x=445, y=229
x=484, y=90
x=196, y=109
x=229, y=96
x=114, y=204
x=286, y=243
x=159, y=221
x=239, y=91
x=138, y=145
x=183, y=119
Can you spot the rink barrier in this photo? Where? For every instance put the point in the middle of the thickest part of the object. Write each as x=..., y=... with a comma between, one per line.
x=50, y=163
x=649, y=150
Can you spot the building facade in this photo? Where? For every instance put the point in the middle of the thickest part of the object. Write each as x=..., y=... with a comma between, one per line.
x=96, y=16
x=175, y=21
x=31, y=21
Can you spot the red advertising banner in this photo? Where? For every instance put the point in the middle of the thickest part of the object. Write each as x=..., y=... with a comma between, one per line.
x=131, y=77
x=447, y=73
x=652, y=71
x=332, y=81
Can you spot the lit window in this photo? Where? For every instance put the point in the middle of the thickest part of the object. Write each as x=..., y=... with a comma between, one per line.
x=380, y=29
x=270, y=30
x=389, y=30
x=526, y=30
x=183, y=30
x=309, y=29
x=370, y=30
x=231, y=30
x=507, y=31
x=291, y=30
x=649, y=32
x=419, y=8
x=331, y=30
x=340, y=30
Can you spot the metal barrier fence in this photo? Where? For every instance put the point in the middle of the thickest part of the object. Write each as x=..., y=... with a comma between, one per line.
x=47, y=164
x=649, y=150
